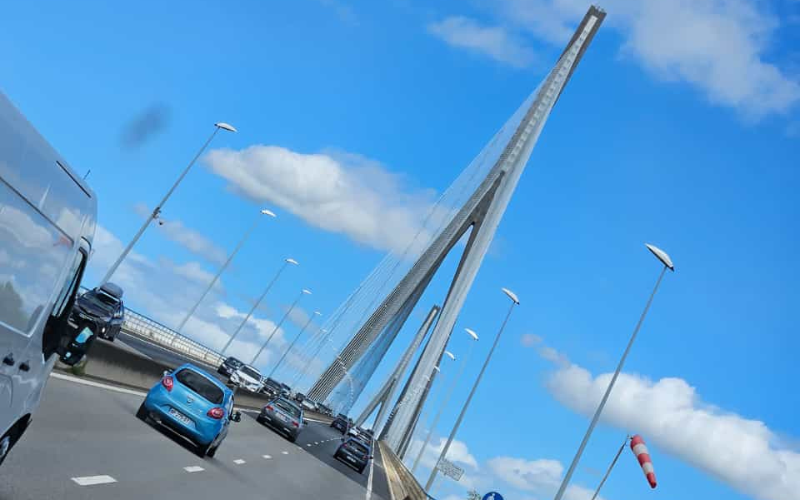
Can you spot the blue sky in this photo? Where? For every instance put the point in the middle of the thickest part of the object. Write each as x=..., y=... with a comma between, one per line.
x=680, y=128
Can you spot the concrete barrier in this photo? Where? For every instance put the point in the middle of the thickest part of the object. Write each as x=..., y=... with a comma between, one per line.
x=402, y=484
x=124, y=366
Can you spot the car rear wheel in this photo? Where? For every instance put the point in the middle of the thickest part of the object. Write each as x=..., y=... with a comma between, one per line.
x=142, y=413
x=201, y=450
x=213, y=451
x=361, y=469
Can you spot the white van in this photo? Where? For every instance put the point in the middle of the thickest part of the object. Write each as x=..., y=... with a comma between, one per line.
x=47, y=223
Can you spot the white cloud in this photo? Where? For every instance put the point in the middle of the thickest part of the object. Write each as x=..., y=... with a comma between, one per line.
x=190, y=239
x=458, y=453
x=530, y=339
x=338, y=192
x=164, y=291
x=529, y=475
x=493, y=41
x=742, y=452
x=718, y=46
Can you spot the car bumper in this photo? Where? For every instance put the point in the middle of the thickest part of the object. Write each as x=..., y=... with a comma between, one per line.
x=273, y=421
x=352, y=460
x=198, y=430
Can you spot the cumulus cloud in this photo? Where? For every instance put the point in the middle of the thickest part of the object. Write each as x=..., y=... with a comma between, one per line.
x=744, y=453
x=493, y=41
x=165, y=290
x=458, y=453
x=190, y=239
x=718, y=46
x=530, y=339
x=338, y=192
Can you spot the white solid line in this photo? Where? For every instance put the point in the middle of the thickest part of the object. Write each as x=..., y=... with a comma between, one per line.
x=92, y=480
x=267, y=456
x=97, y=384
x=193, y=468
x=239, y=461
x=369, y=481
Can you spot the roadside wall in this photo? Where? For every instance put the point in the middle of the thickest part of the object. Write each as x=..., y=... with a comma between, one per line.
x=402, y=484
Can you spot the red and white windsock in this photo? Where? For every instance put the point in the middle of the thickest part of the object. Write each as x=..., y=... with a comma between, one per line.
x=640, y=450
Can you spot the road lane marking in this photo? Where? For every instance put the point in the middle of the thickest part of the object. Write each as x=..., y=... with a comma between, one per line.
x=285, y=452
x=97, y=384
x=369, y=481
x=308, y=445
x=316, y=442
x=267, y=456
x=239, y=461
x=92, y=480
x=193, y=468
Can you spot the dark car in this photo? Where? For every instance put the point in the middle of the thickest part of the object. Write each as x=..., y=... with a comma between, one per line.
x=284, y=416
x=229, y=366
x=341, y=423
x=286, y=391
x=324, y=410
x=101, y=309
x=299, y=397
x=271, y=388
x=355, y=453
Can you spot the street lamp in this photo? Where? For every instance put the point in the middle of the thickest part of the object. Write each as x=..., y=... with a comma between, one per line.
x=157, y=210
x=288, y=312
x=514, y=302
x=310, y=319
x=224, y=266
x=667, y=262
x=286, y=262
x=473, y=336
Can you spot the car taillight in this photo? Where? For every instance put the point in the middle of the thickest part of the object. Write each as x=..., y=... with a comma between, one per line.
x=295, y=424
x=269, y=407
x=167, y=383
x=216, y=412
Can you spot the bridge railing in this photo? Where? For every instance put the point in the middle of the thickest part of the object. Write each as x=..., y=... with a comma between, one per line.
x=139, y=325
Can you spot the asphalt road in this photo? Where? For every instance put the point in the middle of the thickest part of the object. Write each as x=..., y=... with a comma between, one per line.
x=83, y=435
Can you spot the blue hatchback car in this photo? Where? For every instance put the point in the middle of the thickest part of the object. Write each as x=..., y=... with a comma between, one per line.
x=194, y=404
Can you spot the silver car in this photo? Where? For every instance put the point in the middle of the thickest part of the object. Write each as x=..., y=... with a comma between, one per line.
x=284, y=416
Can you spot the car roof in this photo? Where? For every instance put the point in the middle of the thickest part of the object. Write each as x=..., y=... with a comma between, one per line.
x=112, y=289
x=215, y=380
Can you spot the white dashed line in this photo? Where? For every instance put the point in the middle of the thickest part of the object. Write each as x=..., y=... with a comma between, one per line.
x=92, y=480
x=308, y=445
x=193, y=468
x=268, y=457
x=316, y=442
x=285, y=452
x=239, y=461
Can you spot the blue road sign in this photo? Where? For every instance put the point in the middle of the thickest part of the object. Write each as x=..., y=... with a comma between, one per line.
x=493, y=495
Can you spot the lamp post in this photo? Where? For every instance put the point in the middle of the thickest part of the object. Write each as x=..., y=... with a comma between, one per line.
x=310, y=319
x=157, y=210
x=667, y=262
x=224, y=266
x=286, y=262
x=288, y=312
x=514, y=302
x=473, y=336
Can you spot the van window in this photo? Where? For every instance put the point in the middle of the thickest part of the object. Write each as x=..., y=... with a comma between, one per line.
x=72, y=280
x=57, y=322
x=33, y=253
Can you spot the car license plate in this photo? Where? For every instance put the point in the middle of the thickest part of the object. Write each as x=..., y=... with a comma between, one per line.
x=351, y=459
x=282, y=417
x=179, y=416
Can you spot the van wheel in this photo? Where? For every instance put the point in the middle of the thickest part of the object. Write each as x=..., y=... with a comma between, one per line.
x=5, y=447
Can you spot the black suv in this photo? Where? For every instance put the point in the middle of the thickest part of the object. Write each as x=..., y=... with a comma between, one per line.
x=101, y=309
x=341, y=423
x=229, y=366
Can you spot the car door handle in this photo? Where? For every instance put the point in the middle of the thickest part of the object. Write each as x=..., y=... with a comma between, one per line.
x=24, y=366
x=9, y=360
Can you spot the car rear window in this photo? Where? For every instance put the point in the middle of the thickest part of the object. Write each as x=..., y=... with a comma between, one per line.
x=357, y=447
x=251, y=372
x=201, y=385
x=288, y=408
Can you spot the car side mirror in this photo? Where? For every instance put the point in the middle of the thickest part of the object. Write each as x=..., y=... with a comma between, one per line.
x=371, y=457
x=236, y=416
x=305, y=422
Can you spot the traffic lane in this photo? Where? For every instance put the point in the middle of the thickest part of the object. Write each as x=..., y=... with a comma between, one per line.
x=320, y=442
x=83, y=432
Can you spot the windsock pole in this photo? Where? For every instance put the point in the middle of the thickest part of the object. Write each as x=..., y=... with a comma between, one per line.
x=613, y=463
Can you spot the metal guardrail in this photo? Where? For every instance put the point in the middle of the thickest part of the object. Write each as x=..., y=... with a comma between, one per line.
x=139, y=325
